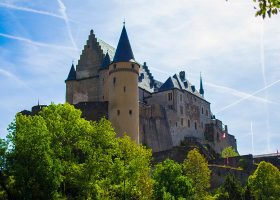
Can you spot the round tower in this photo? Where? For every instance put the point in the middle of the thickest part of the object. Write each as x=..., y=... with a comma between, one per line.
x=70, y=85
x=123, y=90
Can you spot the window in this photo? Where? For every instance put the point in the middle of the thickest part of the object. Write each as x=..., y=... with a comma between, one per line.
x=181, y=98
x=176, y=124
x=201, y=124
x=170, y=107
x=132, y=66
x=201, y=110
x=181, y=110
x=169, y=96
x=189, y=123
x=124, y=88
x=118, y=112
x=195, y=125
x=130, y=112
x=182, y=122
x=114, y=80
x=206, y=112
x=115, y=66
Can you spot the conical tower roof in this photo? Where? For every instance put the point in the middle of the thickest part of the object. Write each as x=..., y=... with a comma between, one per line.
x=201, y=90
x=106, y=61
x=72, y=74
x=124, y=52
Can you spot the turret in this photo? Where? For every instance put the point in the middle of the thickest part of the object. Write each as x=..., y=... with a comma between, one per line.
x=103, y=78
x=123, y=90
x=70, y=85
x=201, y=90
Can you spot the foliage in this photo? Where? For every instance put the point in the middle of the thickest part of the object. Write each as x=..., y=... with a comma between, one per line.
x=229, y=152
x=59, y=155
x=248, y=194
x=170, y=183
x=196, y=168
x=265, y=181
x=267, y=7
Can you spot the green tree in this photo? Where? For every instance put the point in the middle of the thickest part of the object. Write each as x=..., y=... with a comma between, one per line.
x=196, y=168
x=248, y=194
x=59, y=155
x=229, y=152
x=265, y=181
x=170, y=183
x=267, y=7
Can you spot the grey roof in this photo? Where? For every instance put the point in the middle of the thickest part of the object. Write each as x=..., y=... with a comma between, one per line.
x=124, y=52
x=175, y=82
x=72, y=74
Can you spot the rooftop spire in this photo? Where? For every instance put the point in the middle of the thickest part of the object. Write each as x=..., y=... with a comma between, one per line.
x=106, y=61
x=201, y=90
x=72, y=74
x=124, y=52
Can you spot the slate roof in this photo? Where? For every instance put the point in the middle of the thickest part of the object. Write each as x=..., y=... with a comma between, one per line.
x=176, y=82
x=124, y=52
x=106, y=62
x=72, y=74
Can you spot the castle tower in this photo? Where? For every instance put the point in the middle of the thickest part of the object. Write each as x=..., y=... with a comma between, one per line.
x=103, y=78
x=123, y=90
x=70, y=84
x=201, y=90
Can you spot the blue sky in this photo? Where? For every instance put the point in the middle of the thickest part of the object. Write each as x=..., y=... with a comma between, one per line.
x=237, y=54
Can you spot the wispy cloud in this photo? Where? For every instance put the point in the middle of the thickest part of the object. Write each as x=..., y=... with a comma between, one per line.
x=247, y=97
x=11, y=6
x=40, y=44
x=12, y=77
x=66, y=19
x=239, y=93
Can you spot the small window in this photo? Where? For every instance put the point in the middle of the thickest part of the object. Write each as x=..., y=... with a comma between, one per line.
x=206, y=112
x=130, y=112
x=114, y=80
x=118, y=112
x=201, y=124
x=170, y=107
x=169, y=96
x=124, y=88
x=195, y=125
x=181, y=97
x=176, y=124
x=181, y=110
x=132, y=66
x=115, y=66
x=189, y=123
x=103, y=97
x=182, y=122
x=201, y=110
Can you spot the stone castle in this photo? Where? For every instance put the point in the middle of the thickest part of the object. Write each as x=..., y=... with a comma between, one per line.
x=109, y=82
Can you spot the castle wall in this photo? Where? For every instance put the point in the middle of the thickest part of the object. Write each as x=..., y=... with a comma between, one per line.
x=86, y=90
x=186, y=113
x=154, y=129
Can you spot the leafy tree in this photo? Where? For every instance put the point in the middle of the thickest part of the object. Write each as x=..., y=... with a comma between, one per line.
x=170, y=183
x=232, y=187
x=196, y=168
x=267, y=7
x=265, y=181
x=59, y=155
x=248, y=194
x=229, y=152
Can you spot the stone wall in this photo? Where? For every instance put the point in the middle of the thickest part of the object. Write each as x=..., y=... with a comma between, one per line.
x=154, y=130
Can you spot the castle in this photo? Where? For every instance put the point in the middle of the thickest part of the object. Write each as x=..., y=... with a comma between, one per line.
x=110, y=82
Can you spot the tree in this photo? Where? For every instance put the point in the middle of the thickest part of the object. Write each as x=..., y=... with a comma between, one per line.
x=196, y=168
x=170, y=183
x=248, y=194
x=232, y=187
x=267, y=7
x=229, y=152
x=265, y=181
x=59, y=155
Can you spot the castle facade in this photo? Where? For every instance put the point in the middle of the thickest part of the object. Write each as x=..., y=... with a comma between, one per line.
x=109, y=82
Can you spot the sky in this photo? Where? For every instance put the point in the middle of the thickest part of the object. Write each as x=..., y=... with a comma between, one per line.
x=237, y=53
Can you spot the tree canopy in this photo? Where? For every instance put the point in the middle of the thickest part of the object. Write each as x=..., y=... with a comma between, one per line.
x=267, y=7
x=59, y=155
x=229, y=152
x=170, y=183
x=196, y=168
x=265, y=181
